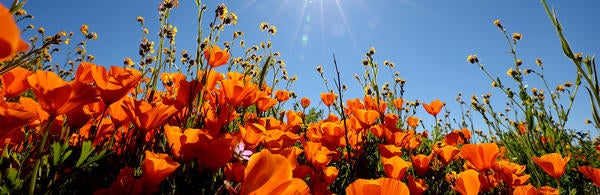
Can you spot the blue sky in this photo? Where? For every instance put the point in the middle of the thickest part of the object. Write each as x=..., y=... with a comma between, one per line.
x=427, y=40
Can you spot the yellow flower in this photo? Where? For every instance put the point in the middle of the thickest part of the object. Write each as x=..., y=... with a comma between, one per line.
x=498, y=24
x=472, y=59
x=84, y=29
x=221, y=11
x=273, y=29
x=264, y=26
x=128, y=61
x=510, y=72
x=232, y=18
x=140, y=19
x=494, y=84
x=517, y=36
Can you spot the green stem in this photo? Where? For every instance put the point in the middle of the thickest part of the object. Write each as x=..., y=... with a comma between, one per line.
x=38, y=161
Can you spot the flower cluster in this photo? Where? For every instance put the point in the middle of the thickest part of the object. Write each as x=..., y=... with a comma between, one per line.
x=227, y=132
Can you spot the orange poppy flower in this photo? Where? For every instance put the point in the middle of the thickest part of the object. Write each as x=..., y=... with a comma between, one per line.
x=268, y=173
x=313, y=133
x=547, y=190
x=390, y=121
x=34, y=107
x=553, y=164
x=332, y=118
x=398, y=103
x=395, y=167
x=389, y=151
x=434, y=107
x=210, y=157
x=210, y=80
x=117, y=113
x=81, y=116
x=14, y=82
x=302, y=171
x=180, y=141
x=234, y=171
x=457, y=137
x=252, y=134
x=305, y=102
x=295, y=186
x=378, y=130
x=291, y=153
x=414, y=142
x=178, y=88
x=318, y=185
x=215, y=56
x=467, y=182
x=332, y=131
x=352, y=105
x=522, y=128
x=58, y=97
x=366, y=117
x=276, y=140
x=265, y=103
x=243, y=77
x=421, y=163
x=399, y=138
x=373, y=104
x=125, y=183
x=364, y=186
x=145, y=115
x=10, y=38
x=507, y=166
x=13, y=116
x=282, y=95
x=114, y=84
x=328, y=98
x=377, y=186
x=239, y=93
x=294, y=121
x=447, y=153
x=591, y=173
x=352, y=123
x=157, y=167
x=104, y=130
x=412, y=121
x=482, y=156
x=329, y=174
x=525, y=190
x=416, y=186
x=317, y=154
x=511, y=173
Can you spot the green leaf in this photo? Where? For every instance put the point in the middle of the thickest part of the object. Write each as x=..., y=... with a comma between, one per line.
x=59, y=153
x=573, y=192
x=95, y=158
x=86, y=150
x=55, y=149
x=269, y=62
x=65, y=156
x=16, y=6
x=594, y=109
x=12, y=175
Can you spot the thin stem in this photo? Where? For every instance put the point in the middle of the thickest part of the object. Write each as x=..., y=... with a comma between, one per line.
x=38, y=161
x=339, y=87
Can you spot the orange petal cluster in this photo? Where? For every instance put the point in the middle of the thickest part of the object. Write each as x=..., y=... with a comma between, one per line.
x=10, y=36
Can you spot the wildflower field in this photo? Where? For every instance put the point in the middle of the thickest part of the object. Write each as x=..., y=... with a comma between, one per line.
x=169, y=122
